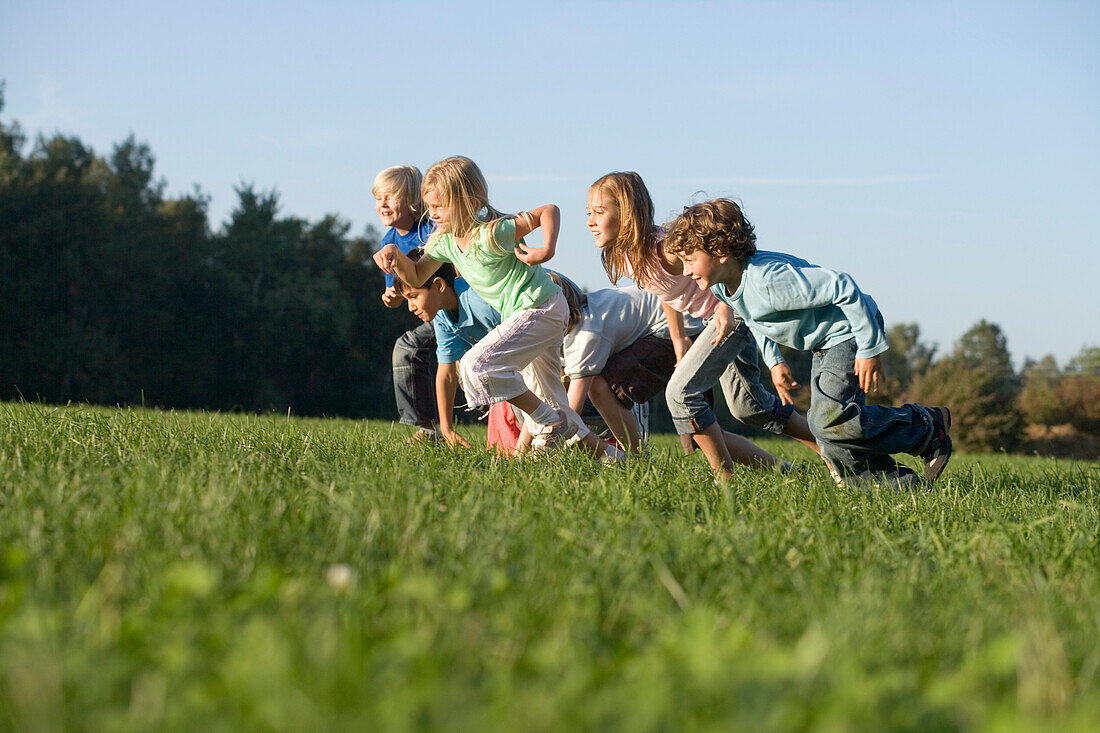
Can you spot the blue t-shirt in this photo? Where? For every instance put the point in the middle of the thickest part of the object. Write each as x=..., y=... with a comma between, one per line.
x=804, y=306
x=453, y=338
x=417, y=237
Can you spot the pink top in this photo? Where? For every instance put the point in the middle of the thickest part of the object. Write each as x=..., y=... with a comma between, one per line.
x=679, y=291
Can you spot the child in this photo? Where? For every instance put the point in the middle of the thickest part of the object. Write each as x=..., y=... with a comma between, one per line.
x=620, y=217
x=397, y=200
x=618, y=352
x=461, y=318
x=488, y=248
x=807, y=307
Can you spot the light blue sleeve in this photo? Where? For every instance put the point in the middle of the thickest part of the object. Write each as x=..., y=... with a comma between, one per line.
x=449, y=346
x=768, y=349
x=816, y=287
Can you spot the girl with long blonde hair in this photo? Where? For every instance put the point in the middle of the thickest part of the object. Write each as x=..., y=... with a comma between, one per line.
x=518, y=360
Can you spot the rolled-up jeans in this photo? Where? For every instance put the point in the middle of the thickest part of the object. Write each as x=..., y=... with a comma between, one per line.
x=856, y=438
x=732, y=363
x=414, y=377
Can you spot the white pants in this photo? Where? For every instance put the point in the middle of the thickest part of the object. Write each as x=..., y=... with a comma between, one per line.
x=522, y=353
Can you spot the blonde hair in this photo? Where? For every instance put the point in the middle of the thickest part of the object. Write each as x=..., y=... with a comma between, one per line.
x=574, y=298
x=634, y=251
x=465, y=194
x=403, y=180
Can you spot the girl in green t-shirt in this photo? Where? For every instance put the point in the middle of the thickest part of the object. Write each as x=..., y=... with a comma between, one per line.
x=517, y=361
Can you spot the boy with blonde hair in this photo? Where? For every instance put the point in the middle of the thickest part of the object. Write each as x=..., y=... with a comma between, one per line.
x=397, y=200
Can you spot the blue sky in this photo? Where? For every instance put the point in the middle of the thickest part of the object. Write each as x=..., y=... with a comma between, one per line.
x=947, y=155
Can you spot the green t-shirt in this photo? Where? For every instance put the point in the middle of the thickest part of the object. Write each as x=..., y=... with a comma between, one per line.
x=501, y=279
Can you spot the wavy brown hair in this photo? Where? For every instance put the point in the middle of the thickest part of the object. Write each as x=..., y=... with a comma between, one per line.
x=717, y=227
x=635, y=249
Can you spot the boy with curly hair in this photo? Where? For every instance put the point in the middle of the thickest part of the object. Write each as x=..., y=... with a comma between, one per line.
x=810, y=308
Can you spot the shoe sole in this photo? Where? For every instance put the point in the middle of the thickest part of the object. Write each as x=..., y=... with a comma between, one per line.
x=933, y=468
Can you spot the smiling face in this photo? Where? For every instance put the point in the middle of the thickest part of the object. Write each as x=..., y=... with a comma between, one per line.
x=393, y=210
x=706, y=269
x=603, y=218
x=437, y=211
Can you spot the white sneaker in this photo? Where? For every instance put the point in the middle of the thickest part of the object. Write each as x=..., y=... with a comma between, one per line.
x=553, y=435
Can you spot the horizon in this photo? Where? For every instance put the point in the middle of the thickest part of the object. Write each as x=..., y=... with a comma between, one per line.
x=936, y=153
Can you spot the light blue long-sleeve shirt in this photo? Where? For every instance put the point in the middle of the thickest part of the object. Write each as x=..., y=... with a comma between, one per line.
x=806, y=307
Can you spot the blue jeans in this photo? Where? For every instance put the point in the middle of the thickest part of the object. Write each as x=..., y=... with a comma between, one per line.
x=856, y=438
x=733, y=363
x=414, y=377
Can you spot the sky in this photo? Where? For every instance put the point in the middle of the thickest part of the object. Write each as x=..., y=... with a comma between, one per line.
x=945, y=154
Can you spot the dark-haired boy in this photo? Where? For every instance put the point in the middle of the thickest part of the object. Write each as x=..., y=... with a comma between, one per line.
x=810, y=308
x=461, y=318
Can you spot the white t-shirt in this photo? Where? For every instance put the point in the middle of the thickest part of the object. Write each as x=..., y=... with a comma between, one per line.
x=680, y=292
x=614, y=319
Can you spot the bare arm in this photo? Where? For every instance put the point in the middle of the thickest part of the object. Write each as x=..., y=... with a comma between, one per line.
x=680, y=342
x=446, y=384
x=392, y=260
x=578, y=391
x=547, y=218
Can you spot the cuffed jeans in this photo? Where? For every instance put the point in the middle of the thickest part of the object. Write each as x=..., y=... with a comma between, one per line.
x=856, y=438
x=414, y=378
x=733, y=363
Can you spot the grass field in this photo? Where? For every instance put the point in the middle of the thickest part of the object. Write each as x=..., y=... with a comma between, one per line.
x=182, y=571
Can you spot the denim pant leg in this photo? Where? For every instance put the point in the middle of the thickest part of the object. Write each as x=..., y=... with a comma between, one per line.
x=413, y=376
x=856, y=438
x=746, y=397
x=731, y=362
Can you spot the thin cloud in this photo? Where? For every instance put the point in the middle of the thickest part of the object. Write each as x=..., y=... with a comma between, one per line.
x=533, y=179
x=795, y=181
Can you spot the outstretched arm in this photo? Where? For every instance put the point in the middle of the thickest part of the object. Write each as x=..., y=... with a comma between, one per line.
x=392, y=260
x=548, y=218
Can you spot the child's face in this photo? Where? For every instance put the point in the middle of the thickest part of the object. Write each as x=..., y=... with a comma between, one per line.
x=705, y=269
x=393, y=210
x=425, y=302
x=603, y=218
x=436, y=210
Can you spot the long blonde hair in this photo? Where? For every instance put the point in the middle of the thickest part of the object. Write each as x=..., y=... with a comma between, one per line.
x=634, y=251
x=463, y=191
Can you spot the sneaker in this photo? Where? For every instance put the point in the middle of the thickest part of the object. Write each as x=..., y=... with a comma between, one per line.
x=938, y=452
x=554, y=435
x=424, y=435
x=832, y=472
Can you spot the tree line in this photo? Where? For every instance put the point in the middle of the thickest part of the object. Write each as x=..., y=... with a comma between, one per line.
x=114, y=293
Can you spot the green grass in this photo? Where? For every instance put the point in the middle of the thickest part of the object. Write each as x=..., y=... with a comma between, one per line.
x=182, y=571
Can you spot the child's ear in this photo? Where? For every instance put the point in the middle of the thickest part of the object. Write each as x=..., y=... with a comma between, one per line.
x=439, y=284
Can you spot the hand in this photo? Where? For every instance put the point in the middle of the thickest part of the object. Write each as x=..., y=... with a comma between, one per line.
x=784, y=383
x=454, y=439
x=386, y=257
x=723, y=322
x=870, y=373
x=391, y=298
x=528, y=255
x=680, y=346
